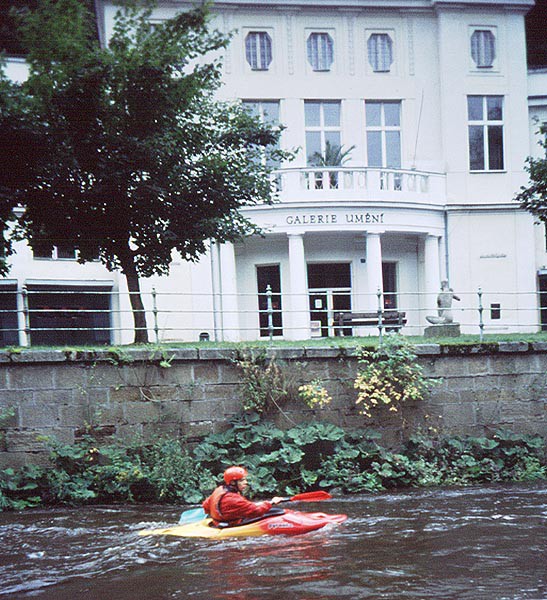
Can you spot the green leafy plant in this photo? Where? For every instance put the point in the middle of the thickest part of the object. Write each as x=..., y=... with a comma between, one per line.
x=280, y=461
x=174, y=474
x=389, y=376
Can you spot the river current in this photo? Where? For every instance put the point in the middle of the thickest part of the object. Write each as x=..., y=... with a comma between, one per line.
x=463, y=543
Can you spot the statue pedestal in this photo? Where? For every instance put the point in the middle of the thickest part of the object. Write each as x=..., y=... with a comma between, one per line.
x=442, y=330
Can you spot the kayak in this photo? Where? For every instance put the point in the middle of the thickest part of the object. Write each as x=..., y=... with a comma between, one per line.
x=290, y=522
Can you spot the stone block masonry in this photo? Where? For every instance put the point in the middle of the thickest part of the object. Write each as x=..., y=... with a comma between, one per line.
x=64, y=393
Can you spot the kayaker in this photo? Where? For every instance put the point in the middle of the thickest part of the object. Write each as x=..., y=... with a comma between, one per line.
x=227, y=503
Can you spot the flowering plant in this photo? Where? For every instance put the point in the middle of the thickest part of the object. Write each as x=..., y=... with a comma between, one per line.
x=314, y=394
x=388, y=376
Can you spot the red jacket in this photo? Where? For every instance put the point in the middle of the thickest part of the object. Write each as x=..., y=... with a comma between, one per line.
x=224, y=505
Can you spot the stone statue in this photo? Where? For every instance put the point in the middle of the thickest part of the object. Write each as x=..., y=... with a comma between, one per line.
x=444, y=304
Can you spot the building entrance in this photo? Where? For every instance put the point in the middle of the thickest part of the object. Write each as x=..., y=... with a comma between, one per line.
x=329, y=286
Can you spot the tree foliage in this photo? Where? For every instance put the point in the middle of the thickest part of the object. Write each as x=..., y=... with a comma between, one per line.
x=137, y=158
x=534, y=197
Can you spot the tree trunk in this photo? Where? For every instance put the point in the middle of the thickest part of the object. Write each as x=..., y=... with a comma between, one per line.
x=139, y=315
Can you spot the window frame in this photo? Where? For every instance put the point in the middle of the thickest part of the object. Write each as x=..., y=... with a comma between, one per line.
x=262, y=58
x=373, y=33
x=321, y=66
x=474, y=65
x=384, y=129
x=486, y=125
x=57, y=252
x=246, y=103
x=322, y=129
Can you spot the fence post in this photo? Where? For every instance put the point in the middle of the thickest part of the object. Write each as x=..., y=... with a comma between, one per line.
x=26, y=315
x=155, y=312
x=269, y=309
x=380, y=316
x=481, y=322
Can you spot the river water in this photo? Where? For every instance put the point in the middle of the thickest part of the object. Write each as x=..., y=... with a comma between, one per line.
x=463, y=543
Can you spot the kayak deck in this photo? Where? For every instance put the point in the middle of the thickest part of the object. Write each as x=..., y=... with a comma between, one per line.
x=289, y=523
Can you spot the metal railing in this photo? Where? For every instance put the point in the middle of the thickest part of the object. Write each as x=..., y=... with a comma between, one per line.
x=63, y=317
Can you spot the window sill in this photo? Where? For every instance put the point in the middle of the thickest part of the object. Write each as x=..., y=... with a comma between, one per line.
x=488, y=172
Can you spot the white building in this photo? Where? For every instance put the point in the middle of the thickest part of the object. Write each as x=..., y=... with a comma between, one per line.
x=434, y=104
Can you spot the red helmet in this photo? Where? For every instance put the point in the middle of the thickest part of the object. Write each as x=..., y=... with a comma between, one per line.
x=234, y=474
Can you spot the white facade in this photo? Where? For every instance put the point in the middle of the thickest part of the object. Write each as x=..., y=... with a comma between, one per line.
x=435, y=102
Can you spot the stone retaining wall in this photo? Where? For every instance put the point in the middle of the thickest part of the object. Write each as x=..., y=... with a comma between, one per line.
x=196, y=391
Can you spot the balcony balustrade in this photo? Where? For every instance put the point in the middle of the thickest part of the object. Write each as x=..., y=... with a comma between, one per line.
x=359, y=183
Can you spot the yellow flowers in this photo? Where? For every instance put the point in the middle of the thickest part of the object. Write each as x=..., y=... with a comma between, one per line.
x=314, y=394
x=389, y=376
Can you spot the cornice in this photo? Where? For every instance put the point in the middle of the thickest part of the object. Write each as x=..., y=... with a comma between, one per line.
x=524, y=5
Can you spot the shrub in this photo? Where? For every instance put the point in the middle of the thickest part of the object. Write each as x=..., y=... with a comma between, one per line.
x=389, y=376
x=265, y=384
x=314, y=394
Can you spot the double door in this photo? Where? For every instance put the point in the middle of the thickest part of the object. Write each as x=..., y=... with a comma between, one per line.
x=329, y=288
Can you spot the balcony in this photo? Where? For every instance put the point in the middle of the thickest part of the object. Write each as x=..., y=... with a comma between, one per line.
x=360, y=184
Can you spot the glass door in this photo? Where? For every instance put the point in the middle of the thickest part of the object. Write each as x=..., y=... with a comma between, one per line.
x=329, y=293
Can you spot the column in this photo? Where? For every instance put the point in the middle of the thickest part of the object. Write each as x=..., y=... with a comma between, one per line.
x=299, y=314
x=432, y=274
x=228, y=293
x=374, y=269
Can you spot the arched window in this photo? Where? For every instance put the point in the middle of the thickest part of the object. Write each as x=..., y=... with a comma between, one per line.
x=483, y=48
x=320, y=51
x=258, y=50
x=380, y=52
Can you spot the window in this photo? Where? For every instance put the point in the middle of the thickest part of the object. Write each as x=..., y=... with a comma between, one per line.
x=383, y=123
x=320, y=51
x=380, y=52
x=267, y=112
x=9, y=326
x=60, y=315
x=543, y=301
x=485, y=116
x=50, y=251
x=389, y=280
x=483, y=48
x=322, y=121
x=258, y=50
x=269, y=276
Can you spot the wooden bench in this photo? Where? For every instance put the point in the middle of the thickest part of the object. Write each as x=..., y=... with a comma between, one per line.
x=390, y=320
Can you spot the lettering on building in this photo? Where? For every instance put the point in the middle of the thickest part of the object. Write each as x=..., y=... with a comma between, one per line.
x=312, y=219
x=332, y=219
x=364, y=218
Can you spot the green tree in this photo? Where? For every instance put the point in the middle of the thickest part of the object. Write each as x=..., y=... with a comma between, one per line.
x=534, y=197
x=139, y=158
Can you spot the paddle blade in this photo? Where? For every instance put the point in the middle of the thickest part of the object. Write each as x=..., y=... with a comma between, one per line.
x=192, y=516
x=310, y=497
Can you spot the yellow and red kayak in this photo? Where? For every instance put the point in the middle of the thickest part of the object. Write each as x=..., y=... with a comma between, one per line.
x=291, y=522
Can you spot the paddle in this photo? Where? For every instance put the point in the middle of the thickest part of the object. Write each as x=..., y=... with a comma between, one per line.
x=197, y=514
x=308, y=497
x=192, y=516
